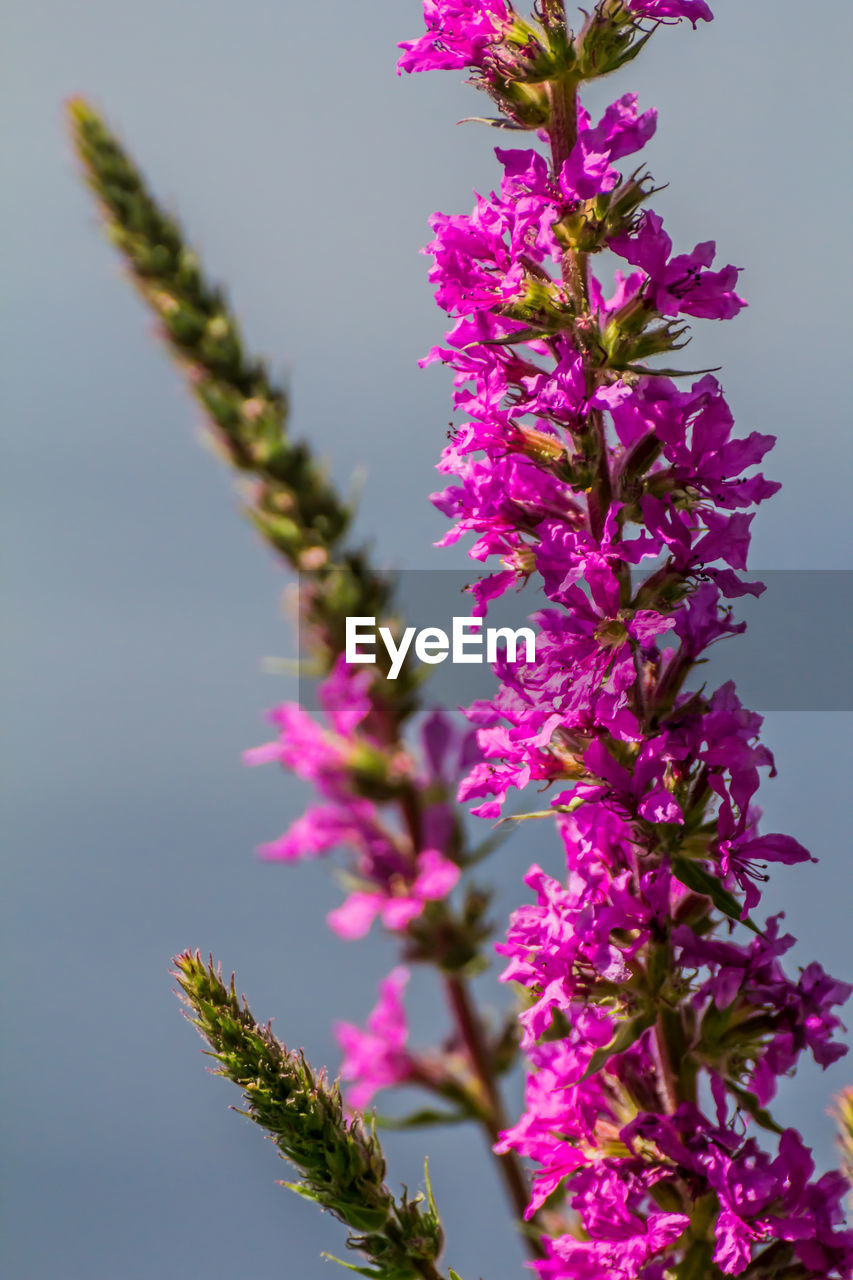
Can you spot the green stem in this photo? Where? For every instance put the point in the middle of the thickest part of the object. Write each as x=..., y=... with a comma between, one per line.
x=562, y=135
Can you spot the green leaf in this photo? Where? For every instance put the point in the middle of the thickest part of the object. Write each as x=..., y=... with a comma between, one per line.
x=429, y=1195
x=425, y=1118
x=488, y=846
x=694, y=876
x=553, y=812
x=510, y=339
x=373, y=1272
x=496, y=122
x=751, y=1106
x=627, y=1034
x=631, y=53
x=669, y=373
x=301, y=1190
x=525, y=817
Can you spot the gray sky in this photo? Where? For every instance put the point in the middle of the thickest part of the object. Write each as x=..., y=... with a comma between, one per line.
x=139, y=606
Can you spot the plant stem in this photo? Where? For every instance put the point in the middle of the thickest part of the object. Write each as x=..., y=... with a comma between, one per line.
x=666, y=1075
x=471, y=1031
x=562, y=135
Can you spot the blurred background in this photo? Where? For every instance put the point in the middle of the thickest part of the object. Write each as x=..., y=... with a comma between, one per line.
x=139, y=607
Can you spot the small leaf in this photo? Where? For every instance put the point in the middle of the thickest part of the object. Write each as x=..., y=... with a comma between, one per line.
x=525, y=817
x=425, y=1118
x=373, y=1272
x=496, y=122
x=429, y=1195
x=543, y=813
x=631, y=53
x=487, y=846
x=669, y=373
x=509, y=339
x=301, y=1190
x=628, y=1033
x=694, y=876
x=751, y=1106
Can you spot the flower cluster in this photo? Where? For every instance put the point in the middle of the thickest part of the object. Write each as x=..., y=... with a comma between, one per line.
x=367, y=786
x=376, y=1057
x=629, y=499
x=654, y=1032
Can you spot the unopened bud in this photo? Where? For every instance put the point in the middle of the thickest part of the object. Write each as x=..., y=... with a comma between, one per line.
x=313, y=558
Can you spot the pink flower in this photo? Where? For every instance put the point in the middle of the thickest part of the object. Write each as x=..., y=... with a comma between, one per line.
x=588, y=171
x=659, y=10
x=574, y=466
x=322, y=828
x=376, y=1057
x=459, y=34
x=398, y=904
x=683, y=283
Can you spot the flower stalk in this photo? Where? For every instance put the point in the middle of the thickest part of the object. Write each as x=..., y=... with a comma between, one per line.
x=293, y=505
x=339, y=1160
x=636, y=994
x=288, y=496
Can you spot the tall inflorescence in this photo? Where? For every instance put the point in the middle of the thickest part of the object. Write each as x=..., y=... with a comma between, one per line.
x=340, y=1164
x=658, y=1016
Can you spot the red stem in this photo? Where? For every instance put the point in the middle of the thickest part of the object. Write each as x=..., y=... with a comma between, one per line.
x=495, y=1120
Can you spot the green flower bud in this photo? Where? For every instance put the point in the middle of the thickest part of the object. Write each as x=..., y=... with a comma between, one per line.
x=610, y=38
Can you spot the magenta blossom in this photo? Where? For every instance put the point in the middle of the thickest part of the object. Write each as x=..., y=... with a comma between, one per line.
x=376, y=1057
x=399, y=902
x=661, y=10
x=589, y=171
x=629, y=499
x=459, y=34
x=683, y=283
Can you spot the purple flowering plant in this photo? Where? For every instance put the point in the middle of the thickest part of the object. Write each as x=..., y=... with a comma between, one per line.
x=654, y=1013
